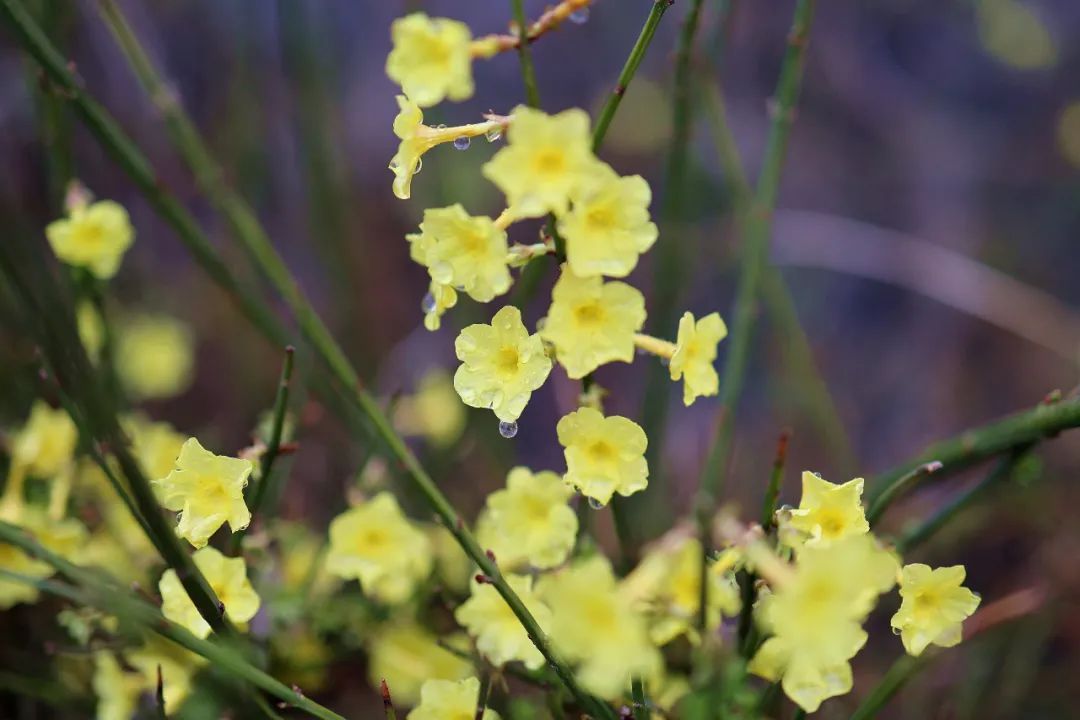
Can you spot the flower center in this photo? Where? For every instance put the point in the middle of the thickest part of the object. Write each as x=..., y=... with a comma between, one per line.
x=832, y=524
x=602, y=451
x=372, y=539
x=591, y=313
x=90, y=234
x=550, y=161
x=600, y=217
x=507, y=360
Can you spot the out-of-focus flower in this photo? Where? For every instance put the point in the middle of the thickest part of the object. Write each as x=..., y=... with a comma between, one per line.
x=595, y=626
x=377, y=545
x=604, y=455
x=448, y=700
x=45, y=445
x=91, y=329
x=499, y=635
x=591, y=322
x=608, y=225
x=529, y=523
x=207, y=490
x=154, y=356
x=65, y=537
x=934, y=606
x=228, y=579
x=406, y=656
x=829, y=512
x=546, y=158
x=502, y=364
x=463, y=251
x=156, y=445
x=177, y=665
x=1014, y=34
x=117, y=691
x=431, y=59
x=301, y=657
x=434, y=411
x=93, y=236
x=453, y=567
x=695, y=351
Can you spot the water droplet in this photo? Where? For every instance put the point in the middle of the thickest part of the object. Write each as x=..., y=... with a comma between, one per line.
x=428, y=303
x=595, y=504
x=462, y=143
x=508, y=429
x=419, y=165
x=896, y=631
x=440, y=126
x=665, y=361
x=494, y=133
x=580, y=17
x=394, y=164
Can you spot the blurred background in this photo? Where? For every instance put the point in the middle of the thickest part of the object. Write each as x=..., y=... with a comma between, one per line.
x=928, y=229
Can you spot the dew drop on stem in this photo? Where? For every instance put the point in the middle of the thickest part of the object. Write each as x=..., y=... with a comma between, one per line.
x=462, y=143
x=580, y=17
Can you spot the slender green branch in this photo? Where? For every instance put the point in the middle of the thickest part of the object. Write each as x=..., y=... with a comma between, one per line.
x=637, y=53
x=895, y=678
x=776, y=479
x=109, y=134
x=975, y=445
x=256, y=494
x=877, y=508
x=754, y=256
x=93, y=591
x=641, y=704
x=528, y=72
x=920, y=533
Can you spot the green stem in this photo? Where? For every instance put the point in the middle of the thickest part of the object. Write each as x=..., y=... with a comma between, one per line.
x=754, y=256
x=641, y=704
x=611, y=106
x=877, y=508
x=387, y=701
x=109, y=134
x=528, y=72
x=928, y=527
x=257, y=496
x=94, y=592
x=977, y=444
x=901, y=671
x=776, y=479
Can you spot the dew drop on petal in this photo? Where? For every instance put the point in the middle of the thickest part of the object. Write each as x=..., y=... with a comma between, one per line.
x=462, y=143
x=595, y=504
x=428, y=303
x=419, y=165
x=494, y=133
x=508, y=429
x=580, y=17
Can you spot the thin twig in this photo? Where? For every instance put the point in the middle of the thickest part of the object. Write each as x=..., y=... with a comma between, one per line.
x=528, y=72
x=894, y=491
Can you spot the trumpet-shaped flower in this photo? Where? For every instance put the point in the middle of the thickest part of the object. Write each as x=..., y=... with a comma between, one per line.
x=406, y=656
x=177, y=666
x=592, y=322
x=597, y=627
x=377, y=545
x=604, y=455
x=816, y=617
x=449, y=700
x=207, y=490
x=502, y=364
x=546, y=158
x=117, y=691
x=608, y=225
x=93, y=236
x=463, y=251
x=228, y=579
x=416, y=139
x=46, y=444
x=529, y=523
x=155, y=356
x=695, y=351
x=934, y=606
x=498, y=632
x=829, y=512
x=431, y=59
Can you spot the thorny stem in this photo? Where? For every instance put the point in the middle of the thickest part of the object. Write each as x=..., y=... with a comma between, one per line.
x=257, y=496
x=109, y=134
x=553, y=17
x=528, y=72
x=611, y=106
x=92, y=591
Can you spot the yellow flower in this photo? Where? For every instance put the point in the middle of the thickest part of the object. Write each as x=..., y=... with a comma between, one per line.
x=433, y=412
x=92, y=236
x=608, y=226
x=934, y=606
x=502, y=364
x=815, y=617
x=695, y=351
x=440, y=299
x=448, y=700
x=529, y=523
x=604, y=455
x=207, y=490
x=546, y=158
x=13, y=592
x=667, y=586
x=376, y=544
x=117, y=691
x=499, y=635
x=154, y=356
x=65, y=537
x=227, y=577
x=178, y=667
x=156, y=445
x=431, y=58
x=463, y=251
x=829, y=512
x=406, y=655
x=595, y=626
x=591, y=322
x=91, y=329
x=46, y=444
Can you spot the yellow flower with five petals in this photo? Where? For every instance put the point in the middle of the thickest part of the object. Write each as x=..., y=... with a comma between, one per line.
x=499, y=635
x=431, y=58
x=449, y=700
x=604, y=455
x=529, y=523
x=463, y=251
x=695, y=351
x=228, y=579
x=828, y=512
x=94, y=236
x=934, y=606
